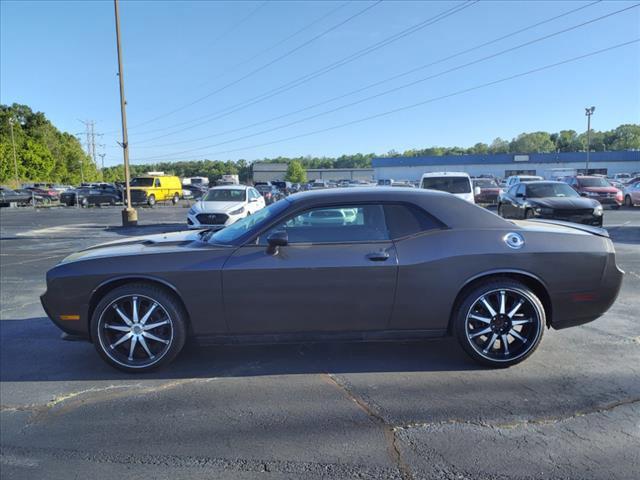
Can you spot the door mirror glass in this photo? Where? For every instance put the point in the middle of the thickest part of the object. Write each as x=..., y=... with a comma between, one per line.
x=279, y=238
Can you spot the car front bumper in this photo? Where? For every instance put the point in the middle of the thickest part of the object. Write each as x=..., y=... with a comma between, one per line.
x=193, y=222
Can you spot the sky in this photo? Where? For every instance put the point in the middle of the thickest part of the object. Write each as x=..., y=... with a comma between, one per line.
x=255, y=79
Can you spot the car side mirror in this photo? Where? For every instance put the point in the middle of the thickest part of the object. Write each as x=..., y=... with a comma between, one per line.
x=519, y=195
x=276, y=240
x=253, y=200
x=477, y=191
x=583, y=194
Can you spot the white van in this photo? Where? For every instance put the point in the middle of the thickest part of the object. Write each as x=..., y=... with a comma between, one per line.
x=456, y=183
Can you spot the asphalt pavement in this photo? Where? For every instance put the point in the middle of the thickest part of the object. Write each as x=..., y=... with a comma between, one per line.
x=367, y=410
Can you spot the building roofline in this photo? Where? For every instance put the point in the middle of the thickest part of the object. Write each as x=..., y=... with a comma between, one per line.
x=508, y=158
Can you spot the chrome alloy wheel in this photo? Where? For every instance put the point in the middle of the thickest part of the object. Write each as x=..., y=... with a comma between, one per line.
x=135, y=331
x=503, y=325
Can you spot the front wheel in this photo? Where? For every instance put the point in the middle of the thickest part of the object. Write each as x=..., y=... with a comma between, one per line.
x=500, y=211
x=151, y=200
x=500, y=322
x=175, y=199
x=138, y=327
x=628, y=202
x=529, y=214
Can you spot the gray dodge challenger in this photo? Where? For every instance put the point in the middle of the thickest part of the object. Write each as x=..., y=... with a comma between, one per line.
x=339, y=264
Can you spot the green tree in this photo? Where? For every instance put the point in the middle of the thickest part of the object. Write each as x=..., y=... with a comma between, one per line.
x=536, y=142
x=627, y=137
x=296, y=172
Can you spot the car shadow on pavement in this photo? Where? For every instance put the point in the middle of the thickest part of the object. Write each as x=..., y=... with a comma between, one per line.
x=32, y=350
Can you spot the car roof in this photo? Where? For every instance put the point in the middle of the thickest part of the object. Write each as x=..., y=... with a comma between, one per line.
x=230, y=187
x=451, y=210
x=446, y=174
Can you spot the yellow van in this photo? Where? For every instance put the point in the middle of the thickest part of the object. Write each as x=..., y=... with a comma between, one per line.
x=150, y=189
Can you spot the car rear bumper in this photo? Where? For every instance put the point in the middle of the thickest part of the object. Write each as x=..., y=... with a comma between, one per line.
x=577, y=308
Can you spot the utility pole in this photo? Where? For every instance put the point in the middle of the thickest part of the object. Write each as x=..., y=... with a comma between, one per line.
x=102, y=155
x=588, y=112
x=15, y=158
x=129, y=214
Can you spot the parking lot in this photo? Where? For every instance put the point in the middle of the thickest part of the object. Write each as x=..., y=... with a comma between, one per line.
x=369, y=410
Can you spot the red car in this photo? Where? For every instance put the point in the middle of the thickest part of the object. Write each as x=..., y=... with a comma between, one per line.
x=48, y=194
x=597, y=188
x=489, y=190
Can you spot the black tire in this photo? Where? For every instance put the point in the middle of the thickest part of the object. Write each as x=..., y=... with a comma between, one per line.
x=500, y=212
x=148, y=354
x=470, y=307
x=112, y=202
x=151, y=201
x=628, y=202
x=175, y=199
x=529, y=214
x=84, y=203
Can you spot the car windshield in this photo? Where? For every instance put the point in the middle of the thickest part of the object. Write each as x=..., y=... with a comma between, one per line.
x=485, y=183
x=225, y=195
x=447, y=184
x=540, y=190
x=142, y=182
x=233, y=232
x=594, y=182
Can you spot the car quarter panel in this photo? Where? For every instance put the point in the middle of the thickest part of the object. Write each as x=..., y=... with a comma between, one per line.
x=434, y=268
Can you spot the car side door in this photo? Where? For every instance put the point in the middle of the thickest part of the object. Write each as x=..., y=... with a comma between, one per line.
x=520, y=201
x=337, y=273
x=508, y=206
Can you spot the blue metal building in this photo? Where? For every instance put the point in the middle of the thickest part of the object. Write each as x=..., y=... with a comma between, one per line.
x=548, y=165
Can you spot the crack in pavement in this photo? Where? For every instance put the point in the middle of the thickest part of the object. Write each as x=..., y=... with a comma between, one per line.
x=523, y=423
x=387, y=429
x=24, y=455
x=68, y=401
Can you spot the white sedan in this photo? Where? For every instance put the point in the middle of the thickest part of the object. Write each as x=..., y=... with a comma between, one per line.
x=224, y=205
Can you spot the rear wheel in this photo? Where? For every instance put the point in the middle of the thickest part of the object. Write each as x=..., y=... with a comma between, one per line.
x=500, y=322
x=151, y=200
x=529, y=214
x=175, y=199
x=138, y=327
x=84, y=202
x=500, y=211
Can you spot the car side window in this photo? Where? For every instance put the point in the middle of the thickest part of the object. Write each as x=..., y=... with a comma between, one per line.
x=522, y=189
x=335, y=224
x=512, y=191
x=404, y=220
x=156, y=183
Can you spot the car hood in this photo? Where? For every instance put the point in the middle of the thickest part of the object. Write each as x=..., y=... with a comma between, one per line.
x=564, y=202
x=217, y=207
x=160, y=243
x=600, y=189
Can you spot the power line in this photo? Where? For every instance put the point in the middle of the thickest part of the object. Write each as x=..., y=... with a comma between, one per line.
x=430, y=100
x=366, y=87
x=235, y=26
x=404, y=86
x=277, y=44
x=266, y=65
x=310, y=76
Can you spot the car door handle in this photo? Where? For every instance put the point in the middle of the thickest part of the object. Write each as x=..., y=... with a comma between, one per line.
x=378, y=256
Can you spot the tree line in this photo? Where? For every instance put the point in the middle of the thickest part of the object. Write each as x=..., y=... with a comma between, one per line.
x=43, y=153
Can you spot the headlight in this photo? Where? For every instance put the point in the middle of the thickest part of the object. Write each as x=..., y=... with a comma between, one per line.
x=598, y=210
x=237, y=212
x=544, y=211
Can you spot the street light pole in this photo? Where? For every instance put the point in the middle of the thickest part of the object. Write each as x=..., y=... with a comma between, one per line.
x=588, y=112
x=15, y=158
x=129, y=214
